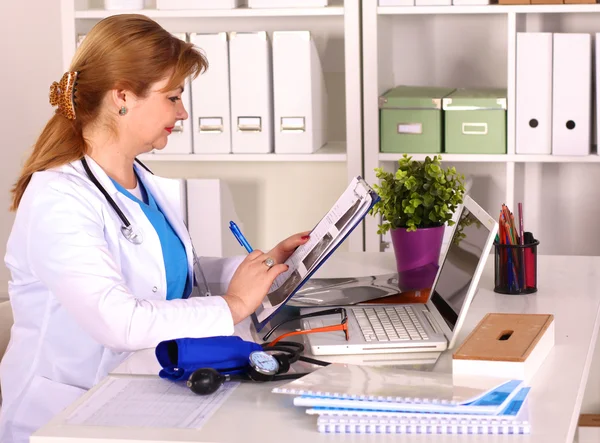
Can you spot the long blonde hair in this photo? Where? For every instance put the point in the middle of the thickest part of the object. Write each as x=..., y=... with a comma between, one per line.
x=126, y=51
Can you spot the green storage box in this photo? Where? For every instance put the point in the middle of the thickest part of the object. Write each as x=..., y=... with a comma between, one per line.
x=475, y=121
x=411, y=120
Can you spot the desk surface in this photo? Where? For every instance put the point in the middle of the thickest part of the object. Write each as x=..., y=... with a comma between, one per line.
x=569, y=288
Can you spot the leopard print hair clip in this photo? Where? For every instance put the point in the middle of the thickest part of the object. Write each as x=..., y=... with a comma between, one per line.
x=62, y=94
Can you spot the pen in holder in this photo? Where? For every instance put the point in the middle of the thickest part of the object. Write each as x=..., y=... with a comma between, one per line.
x=515, y=266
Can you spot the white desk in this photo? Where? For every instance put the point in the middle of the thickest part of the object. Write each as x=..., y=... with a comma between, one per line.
x=569, y=288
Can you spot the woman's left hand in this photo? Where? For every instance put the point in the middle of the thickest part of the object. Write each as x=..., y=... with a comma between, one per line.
x=285, y=248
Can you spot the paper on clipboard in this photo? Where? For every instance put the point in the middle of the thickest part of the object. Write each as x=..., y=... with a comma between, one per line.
x=347, y=212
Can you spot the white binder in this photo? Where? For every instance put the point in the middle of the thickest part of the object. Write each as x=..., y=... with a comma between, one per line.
x=251, y=93
x=287, y=3
x=210, y=97
x=598, y=93
x=198, y=4
x=433, y=2
x=534, y=93
x=571, y=94
x=396, y=2
x=209, y=210
x=299, y=94
x=180, y=140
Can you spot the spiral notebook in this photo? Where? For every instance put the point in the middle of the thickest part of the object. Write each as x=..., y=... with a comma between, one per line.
x=512, y=420
x=380, y=388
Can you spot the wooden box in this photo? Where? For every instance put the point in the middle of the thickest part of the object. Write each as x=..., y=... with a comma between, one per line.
x=506, y=345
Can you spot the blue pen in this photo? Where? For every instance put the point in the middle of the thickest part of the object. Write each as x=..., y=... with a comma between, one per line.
x=240, y=237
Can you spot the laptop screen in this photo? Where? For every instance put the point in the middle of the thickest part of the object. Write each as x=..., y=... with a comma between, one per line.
x=459, y=267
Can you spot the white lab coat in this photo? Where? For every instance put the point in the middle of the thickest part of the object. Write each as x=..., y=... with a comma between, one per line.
x=84, y=297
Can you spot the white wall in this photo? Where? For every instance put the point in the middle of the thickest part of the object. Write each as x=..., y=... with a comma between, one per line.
x=273, y=200
x=30, y=62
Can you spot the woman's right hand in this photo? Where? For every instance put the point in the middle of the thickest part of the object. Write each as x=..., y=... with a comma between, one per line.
x=250, y=284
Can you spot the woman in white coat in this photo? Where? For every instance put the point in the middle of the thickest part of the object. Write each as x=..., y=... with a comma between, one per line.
x=85, y=291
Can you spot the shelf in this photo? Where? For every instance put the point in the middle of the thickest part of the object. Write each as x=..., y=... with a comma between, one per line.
x=214, y=13
x=498, y=158
x=331, y=152
x=488, y=9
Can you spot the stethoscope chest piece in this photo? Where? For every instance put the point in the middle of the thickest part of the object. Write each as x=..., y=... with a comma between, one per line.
x=134, y=237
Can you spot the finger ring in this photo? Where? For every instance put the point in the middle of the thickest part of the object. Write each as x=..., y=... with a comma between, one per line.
x=269, y=262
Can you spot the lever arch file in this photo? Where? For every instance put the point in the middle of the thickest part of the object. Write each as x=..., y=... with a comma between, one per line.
x=571, y=94
x=287, y=3
x=251, y=92
x=534, y=93
x=299, y=92
x=210, y=97
x=198, y=4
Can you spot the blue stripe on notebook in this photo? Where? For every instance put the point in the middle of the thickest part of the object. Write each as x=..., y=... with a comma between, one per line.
x=512, y=409
x=497, y=396
x=516, y=403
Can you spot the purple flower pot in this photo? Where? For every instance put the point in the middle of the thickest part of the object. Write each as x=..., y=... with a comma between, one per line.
x=417, y=256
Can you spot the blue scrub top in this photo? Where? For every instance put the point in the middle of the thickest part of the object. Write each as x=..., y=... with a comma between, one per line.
x=176, y=265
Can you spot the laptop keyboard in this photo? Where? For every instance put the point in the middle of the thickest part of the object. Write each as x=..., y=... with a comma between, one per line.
x=389, y=323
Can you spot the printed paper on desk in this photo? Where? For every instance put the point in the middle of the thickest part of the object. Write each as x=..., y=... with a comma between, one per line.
x=148, y=402
x=347, y=212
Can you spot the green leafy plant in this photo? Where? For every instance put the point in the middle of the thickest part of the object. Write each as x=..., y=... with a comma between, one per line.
x=419, y=195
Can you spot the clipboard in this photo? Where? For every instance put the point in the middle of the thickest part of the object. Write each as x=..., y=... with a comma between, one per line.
x=345, y=215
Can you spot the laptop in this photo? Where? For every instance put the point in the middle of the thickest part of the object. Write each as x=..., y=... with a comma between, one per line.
x=419, y=327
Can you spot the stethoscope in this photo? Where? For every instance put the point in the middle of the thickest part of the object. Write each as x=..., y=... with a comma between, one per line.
x=136, y=238
x=269, y=364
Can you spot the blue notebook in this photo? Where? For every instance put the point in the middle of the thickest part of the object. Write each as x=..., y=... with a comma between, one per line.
x=492, y=403
x=347, y=213
x=381, y=388
x=512, y=420
x=512, y=410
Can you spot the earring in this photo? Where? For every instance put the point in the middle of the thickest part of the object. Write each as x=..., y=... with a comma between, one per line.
x=123, y=110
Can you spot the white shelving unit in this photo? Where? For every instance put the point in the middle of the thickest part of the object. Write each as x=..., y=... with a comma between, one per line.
x=377, y=48
x=336, y=30
x=461, y=46
x=331, y=152
x=221, y=13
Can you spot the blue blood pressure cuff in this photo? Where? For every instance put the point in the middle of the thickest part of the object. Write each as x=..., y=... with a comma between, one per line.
x=182, y=356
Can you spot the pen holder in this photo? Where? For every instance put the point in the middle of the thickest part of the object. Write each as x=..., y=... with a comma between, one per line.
x=515, y=267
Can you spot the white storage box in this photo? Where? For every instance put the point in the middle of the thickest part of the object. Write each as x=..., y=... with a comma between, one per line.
x=287, y=3
x=127, y=5
x=211, y=110
x=299, y=94
x=433, y=2
x=199, y=4
x=396, y=2
x=251, y=92
x=471, y=2
x=506, y=345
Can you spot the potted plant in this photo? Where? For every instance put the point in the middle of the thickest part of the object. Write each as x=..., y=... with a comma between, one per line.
x=417, y=201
